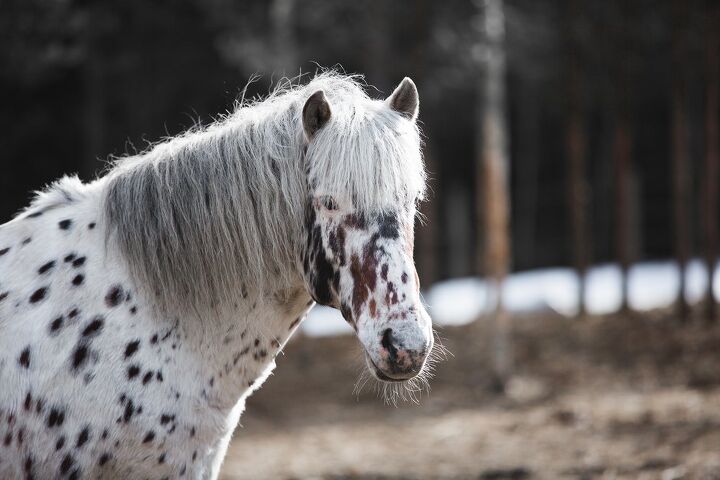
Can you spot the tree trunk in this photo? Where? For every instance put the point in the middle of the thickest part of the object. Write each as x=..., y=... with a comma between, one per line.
x=680, y=155
x=493, y=196
x=575, y=145
x=625, y=204
x=710, y=174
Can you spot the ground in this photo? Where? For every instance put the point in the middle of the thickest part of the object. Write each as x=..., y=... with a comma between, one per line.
x=622, y=396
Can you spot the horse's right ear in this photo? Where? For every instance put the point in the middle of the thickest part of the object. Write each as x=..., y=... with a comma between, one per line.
x=316, y=113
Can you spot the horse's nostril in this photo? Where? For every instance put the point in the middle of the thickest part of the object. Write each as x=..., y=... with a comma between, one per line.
x=387, y=343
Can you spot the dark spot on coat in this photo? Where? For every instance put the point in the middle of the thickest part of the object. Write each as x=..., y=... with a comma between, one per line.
x=78, y=280
x=114, y=296
x=164, y=419
x=94, y=327
x=24, y=358
x=79, y=356
x=60, y=443
x=38, y=294
x=55, y=418
x=79, y=262
x=65, y=224
x=56, y=324
x=147, y=377
x=46, y=267
x=129, y=410
x=161, y=458
x=27, y=240
x=28, y=401
x=83, y=437
x=131, y=348
x=3, y=296
x=104, y=459
x=389, y=227
x=149, y=437
x=91, y=225
x=4, y=251
x=73, y=313
x=66, y=464
x=159, y=376
x=133, y=371
x=69, y=257
x=154, y=339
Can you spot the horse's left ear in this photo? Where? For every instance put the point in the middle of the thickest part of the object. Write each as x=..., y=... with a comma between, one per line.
x=315, y=114
x=405, y=99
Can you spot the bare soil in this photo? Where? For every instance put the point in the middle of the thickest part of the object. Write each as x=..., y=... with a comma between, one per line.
x=624, y=396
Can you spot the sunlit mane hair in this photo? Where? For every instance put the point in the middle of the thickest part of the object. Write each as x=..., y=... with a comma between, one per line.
x=215, y=212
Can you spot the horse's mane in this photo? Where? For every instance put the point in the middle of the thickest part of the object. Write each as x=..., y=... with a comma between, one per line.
x=215, y=212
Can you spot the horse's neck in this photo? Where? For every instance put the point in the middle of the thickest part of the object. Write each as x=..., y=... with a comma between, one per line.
x=238, y=346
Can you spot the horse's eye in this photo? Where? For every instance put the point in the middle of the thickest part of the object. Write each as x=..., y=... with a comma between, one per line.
x=328, y=202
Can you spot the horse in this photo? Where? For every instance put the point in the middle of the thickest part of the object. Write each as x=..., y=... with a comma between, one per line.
x=139, y=311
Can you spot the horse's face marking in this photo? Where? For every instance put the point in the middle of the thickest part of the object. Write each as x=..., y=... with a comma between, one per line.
x=363, y=265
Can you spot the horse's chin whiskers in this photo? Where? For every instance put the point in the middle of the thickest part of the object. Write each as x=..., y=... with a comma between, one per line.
x=394, y=393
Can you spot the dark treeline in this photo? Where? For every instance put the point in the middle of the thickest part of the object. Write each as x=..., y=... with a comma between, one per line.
x=593, y=92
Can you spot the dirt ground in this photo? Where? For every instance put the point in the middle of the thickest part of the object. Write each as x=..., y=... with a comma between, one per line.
x=630, y=397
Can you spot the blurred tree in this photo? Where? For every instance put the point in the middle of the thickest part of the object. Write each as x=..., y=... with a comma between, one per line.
x=680, y=148
x=624, y=201
x=575, y=144
x=493, y=167
x=712, y=151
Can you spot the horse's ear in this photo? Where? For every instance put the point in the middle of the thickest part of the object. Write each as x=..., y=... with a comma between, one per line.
x=316, y=113
x=405, y=99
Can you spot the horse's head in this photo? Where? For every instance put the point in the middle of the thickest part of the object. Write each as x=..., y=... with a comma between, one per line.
x=365, y=176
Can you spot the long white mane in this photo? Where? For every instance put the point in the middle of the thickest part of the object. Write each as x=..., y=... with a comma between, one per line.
x=205, y=216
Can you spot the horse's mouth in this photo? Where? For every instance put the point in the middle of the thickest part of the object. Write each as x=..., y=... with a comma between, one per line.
x=382, y=376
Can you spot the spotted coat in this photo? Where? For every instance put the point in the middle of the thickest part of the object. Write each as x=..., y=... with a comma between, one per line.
x=98, y=386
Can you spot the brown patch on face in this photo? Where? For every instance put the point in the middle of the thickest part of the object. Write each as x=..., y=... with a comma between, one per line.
x=373, y=308
x=364, y=275
x=360, y=292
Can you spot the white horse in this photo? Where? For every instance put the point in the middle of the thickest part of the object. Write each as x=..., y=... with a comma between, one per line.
x=139, y=311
